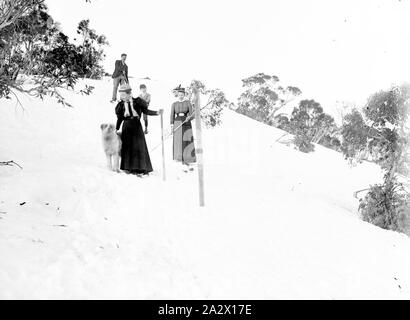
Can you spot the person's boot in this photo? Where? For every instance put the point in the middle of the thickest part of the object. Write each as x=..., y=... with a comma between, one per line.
x=146, y=131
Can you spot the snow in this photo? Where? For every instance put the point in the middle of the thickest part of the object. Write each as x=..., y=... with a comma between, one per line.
x=277, y=223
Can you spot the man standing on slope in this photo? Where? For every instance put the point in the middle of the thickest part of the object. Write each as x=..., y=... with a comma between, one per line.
x=120, y=75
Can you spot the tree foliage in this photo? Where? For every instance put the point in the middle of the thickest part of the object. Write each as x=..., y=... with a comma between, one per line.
x=310, y=124
x=12, y=10
x=92, y=50
x=382, y=130
x=354, y=132
x=32, y=44
x=264, y=96
x=212, y=110
x=386, y=205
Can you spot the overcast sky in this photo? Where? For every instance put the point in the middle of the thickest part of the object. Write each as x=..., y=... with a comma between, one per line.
x=331, y=50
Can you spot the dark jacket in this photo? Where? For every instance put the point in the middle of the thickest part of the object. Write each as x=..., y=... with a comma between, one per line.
x=139, y=105
x=120, y=69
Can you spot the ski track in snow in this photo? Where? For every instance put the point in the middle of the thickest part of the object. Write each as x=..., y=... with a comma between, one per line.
x=277, y=223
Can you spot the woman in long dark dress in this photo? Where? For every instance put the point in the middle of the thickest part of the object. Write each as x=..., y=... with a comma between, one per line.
x=183, y=144
x=134, y=152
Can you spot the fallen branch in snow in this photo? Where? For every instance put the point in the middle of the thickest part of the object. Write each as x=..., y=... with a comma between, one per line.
x=285, y=134
x=18, y=103
x=358, y=191
x=10, y=163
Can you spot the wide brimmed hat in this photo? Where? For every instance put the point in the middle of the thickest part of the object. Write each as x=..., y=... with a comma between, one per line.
x=125, y=87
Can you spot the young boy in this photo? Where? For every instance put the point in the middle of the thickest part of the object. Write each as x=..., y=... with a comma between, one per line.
x=147, y=97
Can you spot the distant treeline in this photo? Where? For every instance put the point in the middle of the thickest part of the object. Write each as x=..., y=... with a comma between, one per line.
x=378, y=132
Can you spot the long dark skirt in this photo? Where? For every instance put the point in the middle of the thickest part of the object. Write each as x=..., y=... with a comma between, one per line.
x=134, y=153
x=184, y=147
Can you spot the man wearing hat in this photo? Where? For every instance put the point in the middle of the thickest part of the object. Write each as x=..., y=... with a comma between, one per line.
x=120, y=75
x=134, y=152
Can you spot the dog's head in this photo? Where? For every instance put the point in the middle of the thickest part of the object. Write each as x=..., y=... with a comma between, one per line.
x=107, y=127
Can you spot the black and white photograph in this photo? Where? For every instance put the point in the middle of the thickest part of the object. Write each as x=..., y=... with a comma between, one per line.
x=205, y=150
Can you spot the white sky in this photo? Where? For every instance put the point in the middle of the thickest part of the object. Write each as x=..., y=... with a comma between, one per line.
x=332, y=50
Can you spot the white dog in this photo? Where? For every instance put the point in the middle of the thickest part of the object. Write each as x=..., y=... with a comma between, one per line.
x=112, y=146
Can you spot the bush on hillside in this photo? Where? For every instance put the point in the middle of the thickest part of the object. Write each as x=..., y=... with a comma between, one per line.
x=331, y=142
x=309, y=124
x=91, y=50
x=32, y=44
x=264, y=96
x=211, y=115
x=303, y=143
x=384, y=134
x=282, y=122
x=211, y=112
x=355, y=134
x=387, y=206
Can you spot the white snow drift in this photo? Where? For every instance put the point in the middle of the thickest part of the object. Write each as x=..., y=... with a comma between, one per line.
x=277, y=223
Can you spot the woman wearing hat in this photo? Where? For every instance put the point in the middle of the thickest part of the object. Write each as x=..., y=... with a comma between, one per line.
x=183, y=144
x=134, y=153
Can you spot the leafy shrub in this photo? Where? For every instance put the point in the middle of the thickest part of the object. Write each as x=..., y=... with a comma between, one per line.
x=31, y=43
x=303, y=143
x=387, y=206
x=211, y=115
x=355, y=133
x=282, y=122
x=331, y=142
x=310, y=125
x=383, y=134
x=264, y=96
x=212, y=111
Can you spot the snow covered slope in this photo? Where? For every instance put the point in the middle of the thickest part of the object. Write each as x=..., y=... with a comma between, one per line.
x=277, y=223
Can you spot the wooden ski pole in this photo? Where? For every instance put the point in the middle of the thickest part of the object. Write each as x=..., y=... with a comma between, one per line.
x=163, y=149
x=198, y=149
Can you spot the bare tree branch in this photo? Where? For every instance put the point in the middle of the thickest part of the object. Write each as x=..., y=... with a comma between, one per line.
x=10, y=163
x=11, y=10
